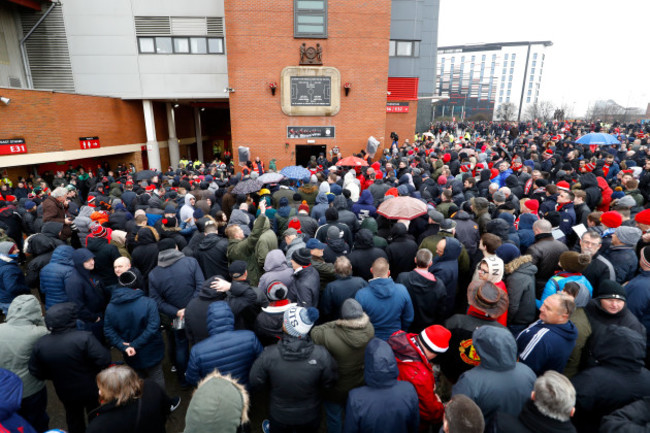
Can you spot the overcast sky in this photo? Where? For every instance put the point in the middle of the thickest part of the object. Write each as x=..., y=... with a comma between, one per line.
x=599, y=46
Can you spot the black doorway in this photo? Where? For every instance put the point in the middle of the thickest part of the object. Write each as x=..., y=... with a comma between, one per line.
x=305, y=151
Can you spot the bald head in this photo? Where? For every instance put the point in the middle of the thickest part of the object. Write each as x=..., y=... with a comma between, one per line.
x=121, y=265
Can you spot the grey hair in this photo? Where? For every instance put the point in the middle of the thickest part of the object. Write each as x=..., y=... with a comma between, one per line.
x=555, y=396
x=507, y=191
x=542, y=226
x=59, y=192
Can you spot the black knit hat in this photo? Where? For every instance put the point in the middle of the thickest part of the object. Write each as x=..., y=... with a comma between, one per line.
x=610, y=289
x=302, y=256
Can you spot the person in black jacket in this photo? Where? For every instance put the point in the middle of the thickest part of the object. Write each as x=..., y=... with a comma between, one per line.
x=129, y=404
x=85, y=291
x=401, y=250
x=40, y=247
x=344, y=287
x=296, y=370
x=212, y=252
x=99, y=244
x=71, y=359
x=145, y=254
x=633, y=418
x=428, y=293
x=364, y=254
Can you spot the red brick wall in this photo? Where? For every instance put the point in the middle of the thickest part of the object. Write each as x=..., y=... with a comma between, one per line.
x=260, y=44
x=51, y=121
x=402, y=123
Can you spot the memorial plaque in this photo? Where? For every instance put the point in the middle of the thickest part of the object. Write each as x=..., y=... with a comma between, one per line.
x=311, y=131
x=311, y=91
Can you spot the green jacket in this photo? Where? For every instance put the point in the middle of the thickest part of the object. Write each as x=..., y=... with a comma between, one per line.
x=325, y=271
x=244, y=249
x=371, y=224
x=24, y=326
x=219, y=404
x=431, y=242
x=581, y=321
x=346, y=341
x=267, y=242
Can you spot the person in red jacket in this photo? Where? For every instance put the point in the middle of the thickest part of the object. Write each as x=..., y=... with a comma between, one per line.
x=414, y=353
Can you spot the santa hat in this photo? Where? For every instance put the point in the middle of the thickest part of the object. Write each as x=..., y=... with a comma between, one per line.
x=150, y=188
x=435, y=338
x=91, y=201
x=99, y=231
x=549, y=151
x=564, y=185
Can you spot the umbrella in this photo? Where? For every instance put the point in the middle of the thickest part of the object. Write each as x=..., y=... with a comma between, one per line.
x=402, y=208
x=144, y=175
x=428, y=134
x=247, y=186
x=597, y=138
x=295, y=172
x=271, y=178
x=352, y=161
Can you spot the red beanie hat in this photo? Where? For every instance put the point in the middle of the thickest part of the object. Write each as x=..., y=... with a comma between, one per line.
x=294, y=223
x=494, y=172
x=532, y=205
x=611, y=219
x=393, y=191
x=304, y=207
x=564, y=185
x=643, y=217
x=446, y=158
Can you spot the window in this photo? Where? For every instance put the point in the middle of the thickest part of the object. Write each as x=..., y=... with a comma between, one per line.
x=513, y=56
x=530, y=85
x=512, y=71
x=531, y=78
x=532, y=71
x=483, y=58
x=310, y=18
x=528, y=100
x=473, y=58
x=534, y=56
x=180, y=45
x=500, y=99
x=530, y=93
x=507, y=98
x=407, y=49
x=500, y=92
x=510, y=78
x=505, y=57
x=509, y=85
x=534, y=63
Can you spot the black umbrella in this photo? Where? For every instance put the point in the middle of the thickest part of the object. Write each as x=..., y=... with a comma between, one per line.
x=247, y=187
x=144, y=175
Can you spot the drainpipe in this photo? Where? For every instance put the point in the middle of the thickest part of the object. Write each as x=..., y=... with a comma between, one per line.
x=23, y=50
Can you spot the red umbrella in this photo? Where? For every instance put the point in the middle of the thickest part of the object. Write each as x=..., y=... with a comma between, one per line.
x=402, y=208
x=352, y=161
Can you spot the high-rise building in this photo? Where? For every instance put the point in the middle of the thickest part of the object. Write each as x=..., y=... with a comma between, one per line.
x=480, y=78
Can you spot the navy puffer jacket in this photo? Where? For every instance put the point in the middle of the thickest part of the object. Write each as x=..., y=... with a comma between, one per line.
x=54, y=275
x=231, y=352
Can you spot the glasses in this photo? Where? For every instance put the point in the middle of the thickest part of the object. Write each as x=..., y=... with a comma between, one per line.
x=482, y=271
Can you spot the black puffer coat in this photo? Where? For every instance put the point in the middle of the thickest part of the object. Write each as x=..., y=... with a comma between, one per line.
x=364, y=254
x=296, y=370
x=401, y=250
x=145, y=255
x=212, y=255
x=429, y=297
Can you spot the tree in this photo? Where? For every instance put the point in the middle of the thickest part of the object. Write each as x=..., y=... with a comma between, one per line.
x=506, y=111
x=532, y=112
x=545, y=110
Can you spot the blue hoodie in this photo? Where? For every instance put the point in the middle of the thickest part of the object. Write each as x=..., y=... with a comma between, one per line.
x=54, y=275
x=385, y=404
x=387, y=304
x=11, y=390
x=322, y=204
x=544, y=347
x=445, y=268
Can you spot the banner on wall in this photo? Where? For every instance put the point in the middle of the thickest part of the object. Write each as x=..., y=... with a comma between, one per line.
x=11, y=146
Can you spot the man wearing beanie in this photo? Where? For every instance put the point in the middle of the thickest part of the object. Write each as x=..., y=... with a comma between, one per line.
x=304, y=288
x=269, y=322
x=132, y=326
x=414, y=354
x=610, y=308
x=296, y=371
x=637, y=292
x=346, y=341
x=622, y=254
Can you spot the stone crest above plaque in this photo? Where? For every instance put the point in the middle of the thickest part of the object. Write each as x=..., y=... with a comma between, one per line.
x=310, y=91
x=310, y=55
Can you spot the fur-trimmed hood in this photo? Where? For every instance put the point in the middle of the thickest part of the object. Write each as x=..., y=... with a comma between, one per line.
x=359, y=323
x=216, y=403
x=516, y=263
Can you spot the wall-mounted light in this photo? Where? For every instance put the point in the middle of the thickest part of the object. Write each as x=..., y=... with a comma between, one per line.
x=229, y=90
x=203, y=109
x=347, y=86
x=176, y=105
x=4, y=100
x=273, y=86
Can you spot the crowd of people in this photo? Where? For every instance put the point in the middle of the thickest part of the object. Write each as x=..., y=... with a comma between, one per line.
x=519, y=301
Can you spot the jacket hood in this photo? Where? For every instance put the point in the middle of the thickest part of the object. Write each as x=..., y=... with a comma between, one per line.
x=496, y=347
x=207, y=293
x=522, y=264
x=146, y=236
x=124, y=295
x=275, y=261
x=167, y=258
x=238, y=217
x=340, y=203
x=512, y=181
x=588, y=180
x=498, y=227
x=452, y=250
x=381, y=287
x=339, y=245
x=61, y=317
x=38, y=244
x=485, y=175
x=210, y=241
x=462, y=215
x=526, y=221
x=366, y=198
x=602, y=184
x=355, y=332
x=321, y=198
x=456, y=187
x=620, y=348
x=188, y=197
x=11, y=388
x=51, y=229
x=25, y=309
x=380, y=365
x=284, y=211
x=63, y=255
x=363, y=240
x=294, y=348
x=79, y=257
x=220, y=318
x=496, y=268
x=371, y=224
x=397, y=231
